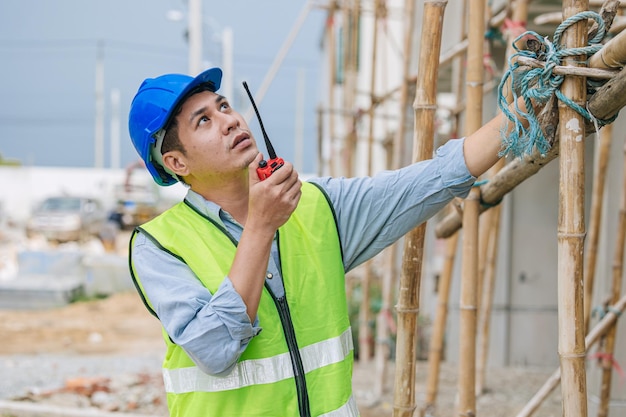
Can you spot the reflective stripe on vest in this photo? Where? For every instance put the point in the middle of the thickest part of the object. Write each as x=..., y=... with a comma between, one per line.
x=259, y=371
x=349, y=409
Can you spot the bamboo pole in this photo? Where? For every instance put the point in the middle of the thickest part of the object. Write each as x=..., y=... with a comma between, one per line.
x=469, y=275
x=484, y=230
x=467, y=306
x=385, y=325
x=571, y=227
x=320, y=142
x=365, y=332
x=484, y=318
x=607, y=322
x=332, y=71
x=408, y=298
x=603, y=150
x=618, y=269
x=350, y=15
x=365, y=336
x=435, y=349
x=384, y=317
x=399, y=145
x=436, y=344
x=373, y=99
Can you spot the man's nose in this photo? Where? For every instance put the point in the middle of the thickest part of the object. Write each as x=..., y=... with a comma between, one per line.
x=230, y=121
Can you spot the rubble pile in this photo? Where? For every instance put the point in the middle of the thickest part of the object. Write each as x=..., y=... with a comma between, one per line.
x=141, y=393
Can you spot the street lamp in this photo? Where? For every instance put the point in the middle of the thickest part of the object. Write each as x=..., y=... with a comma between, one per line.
x=194, y=33
x=194, y=38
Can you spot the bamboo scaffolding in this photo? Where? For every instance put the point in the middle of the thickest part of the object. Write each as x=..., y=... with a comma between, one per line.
x=617, y=270
x=571, y=226
x=469, y=276
x=605, y=102
x=603, y=150
x=445, y=58
x=606, y=323
x=423, y=138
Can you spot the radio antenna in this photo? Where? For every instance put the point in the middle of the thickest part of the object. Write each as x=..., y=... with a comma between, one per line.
x=268, y=144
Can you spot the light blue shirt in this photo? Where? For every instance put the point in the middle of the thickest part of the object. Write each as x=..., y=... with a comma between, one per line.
x=372, y=213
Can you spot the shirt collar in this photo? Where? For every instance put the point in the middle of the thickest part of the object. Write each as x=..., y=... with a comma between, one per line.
x=209, y=208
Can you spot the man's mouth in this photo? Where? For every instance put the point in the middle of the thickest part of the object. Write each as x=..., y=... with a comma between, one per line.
x=240, y=138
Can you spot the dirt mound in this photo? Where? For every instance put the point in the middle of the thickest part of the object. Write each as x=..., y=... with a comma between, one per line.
x=117, y=324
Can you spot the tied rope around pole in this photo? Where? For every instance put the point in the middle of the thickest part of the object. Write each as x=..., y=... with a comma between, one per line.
x=540, y=84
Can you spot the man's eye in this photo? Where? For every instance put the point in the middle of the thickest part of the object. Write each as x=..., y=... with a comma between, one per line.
x=225, y=106
x=203, y=120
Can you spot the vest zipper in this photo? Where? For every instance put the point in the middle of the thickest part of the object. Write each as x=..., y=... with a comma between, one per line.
x=296, y=359
x=292, y=344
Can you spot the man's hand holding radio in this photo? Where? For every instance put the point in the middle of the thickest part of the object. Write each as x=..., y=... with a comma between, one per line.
x=273, y=199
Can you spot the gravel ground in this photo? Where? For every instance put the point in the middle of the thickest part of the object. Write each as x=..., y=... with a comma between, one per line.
x=43, y=373
x=106, y=355
x=133, y=385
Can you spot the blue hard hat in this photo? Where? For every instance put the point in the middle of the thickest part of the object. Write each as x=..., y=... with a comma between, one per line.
x=152, y=108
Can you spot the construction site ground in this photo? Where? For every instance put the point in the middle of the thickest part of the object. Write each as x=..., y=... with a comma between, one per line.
x=104, y=355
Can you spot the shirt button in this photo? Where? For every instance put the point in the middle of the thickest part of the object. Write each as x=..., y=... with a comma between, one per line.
x=269, y=275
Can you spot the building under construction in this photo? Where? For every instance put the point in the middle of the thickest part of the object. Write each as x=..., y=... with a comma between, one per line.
x=528, y=270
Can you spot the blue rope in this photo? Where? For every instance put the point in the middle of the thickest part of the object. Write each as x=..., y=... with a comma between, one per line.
x=540, y=84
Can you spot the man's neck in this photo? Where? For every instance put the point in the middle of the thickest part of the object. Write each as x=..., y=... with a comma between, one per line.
x=231, y=196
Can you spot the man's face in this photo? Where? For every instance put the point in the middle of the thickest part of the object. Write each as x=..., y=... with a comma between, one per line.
x=216, y=138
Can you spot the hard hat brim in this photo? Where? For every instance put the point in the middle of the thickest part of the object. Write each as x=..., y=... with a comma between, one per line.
x=212, y=76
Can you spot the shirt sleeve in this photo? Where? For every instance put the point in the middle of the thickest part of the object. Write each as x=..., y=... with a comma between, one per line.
x=374, y=212
x=213, y=329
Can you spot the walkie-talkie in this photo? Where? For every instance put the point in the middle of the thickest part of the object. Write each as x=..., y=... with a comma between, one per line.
x=266, y=168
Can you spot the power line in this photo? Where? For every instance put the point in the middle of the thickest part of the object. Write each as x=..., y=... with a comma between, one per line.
x=43, y=123
x=49, y=44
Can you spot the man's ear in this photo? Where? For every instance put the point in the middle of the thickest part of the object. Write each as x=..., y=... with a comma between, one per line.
x=175, y=162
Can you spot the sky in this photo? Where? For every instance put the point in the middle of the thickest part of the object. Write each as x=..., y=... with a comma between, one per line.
x=49, y=49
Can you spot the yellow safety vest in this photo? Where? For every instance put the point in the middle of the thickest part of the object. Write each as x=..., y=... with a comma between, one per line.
x=301, y=363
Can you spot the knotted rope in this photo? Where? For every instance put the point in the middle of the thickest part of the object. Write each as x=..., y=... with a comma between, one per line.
x=540, y=84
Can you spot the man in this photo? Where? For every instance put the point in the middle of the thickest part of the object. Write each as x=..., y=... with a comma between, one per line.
x=247, y=276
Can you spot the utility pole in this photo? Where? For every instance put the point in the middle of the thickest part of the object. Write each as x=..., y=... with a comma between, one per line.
x=227, y=63
x=194, y=37
x=99, y=123
x=115, y=128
